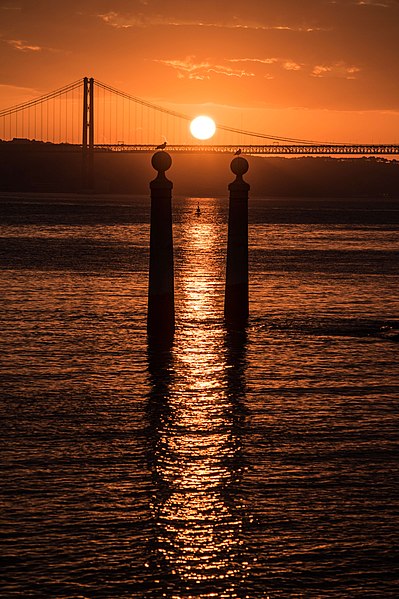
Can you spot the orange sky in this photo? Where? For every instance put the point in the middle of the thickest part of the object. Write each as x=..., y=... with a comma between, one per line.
x=311, y=69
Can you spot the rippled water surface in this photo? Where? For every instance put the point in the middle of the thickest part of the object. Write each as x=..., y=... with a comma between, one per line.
x=239, y=464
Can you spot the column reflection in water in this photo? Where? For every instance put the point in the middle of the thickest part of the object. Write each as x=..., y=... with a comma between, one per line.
x=197, y=426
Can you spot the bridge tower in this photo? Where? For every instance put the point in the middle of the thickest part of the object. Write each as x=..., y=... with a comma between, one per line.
x=88, y=134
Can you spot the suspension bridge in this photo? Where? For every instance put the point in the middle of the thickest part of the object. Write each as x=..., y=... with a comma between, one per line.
x=90, y=116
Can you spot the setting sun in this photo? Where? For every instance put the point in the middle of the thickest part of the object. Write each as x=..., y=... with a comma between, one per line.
x=202, y=127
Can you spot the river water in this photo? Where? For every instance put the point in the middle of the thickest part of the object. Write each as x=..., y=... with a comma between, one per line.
x=238, y=464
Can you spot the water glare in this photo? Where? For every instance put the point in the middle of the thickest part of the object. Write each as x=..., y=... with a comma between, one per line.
x=198, y=431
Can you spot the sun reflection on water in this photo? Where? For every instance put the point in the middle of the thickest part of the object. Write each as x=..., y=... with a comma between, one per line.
x=197, y=419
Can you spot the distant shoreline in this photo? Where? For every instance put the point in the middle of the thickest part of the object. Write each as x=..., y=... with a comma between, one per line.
x=27, y=172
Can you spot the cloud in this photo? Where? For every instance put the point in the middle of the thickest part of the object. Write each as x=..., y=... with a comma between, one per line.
x=386, y=4
x=290, y=65
x=339, y=69
x=298, y=29
x=190, y=69
x=256, y=60
x=193, y=68
x=121, y=20
x=286, y=64
x=23, y=46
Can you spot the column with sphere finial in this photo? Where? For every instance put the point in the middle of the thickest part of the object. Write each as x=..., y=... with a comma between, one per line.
x=161, y=306
x=236, y=302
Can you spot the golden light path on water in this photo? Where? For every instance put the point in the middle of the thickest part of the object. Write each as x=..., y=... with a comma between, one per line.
x=198, y=513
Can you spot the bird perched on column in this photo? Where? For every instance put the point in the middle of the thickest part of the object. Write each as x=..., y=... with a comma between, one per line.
x=238, y=152
x=162, y=146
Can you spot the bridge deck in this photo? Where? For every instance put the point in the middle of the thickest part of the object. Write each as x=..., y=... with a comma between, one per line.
x=273, y=149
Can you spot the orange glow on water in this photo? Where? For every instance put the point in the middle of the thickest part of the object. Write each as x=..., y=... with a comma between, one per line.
x=200, y=533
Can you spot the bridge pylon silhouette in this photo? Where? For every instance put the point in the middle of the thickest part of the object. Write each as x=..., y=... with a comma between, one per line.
x=88, y=134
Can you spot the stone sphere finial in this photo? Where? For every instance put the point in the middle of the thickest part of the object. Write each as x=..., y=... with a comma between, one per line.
x=239, y=165
x=161, y=161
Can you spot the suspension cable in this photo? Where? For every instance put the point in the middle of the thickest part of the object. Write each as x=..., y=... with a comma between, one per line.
x=41, y=99
x=188, y=118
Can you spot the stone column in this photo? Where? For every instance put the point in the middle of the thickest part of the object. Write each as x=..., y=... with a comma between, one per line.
x=161, y=306
x=236, y=303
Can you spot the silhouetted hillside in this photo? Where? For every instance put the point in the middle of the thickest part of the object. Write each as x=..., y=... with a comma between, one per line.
x=36, y=167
